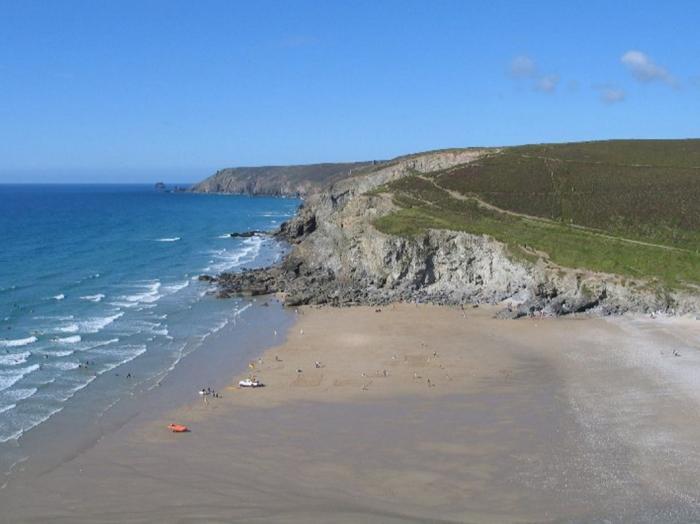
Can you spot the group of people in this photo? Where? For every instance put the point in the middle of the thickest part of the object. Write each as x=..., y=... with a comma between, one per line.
x=209, y=392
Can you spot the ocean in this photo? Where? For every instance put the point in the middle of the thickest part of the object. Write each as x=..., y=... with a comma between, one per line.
x=99, y=289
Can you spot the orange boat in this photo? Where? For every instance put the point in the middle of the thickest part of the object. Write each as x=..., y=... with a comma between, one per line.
x=178, y=428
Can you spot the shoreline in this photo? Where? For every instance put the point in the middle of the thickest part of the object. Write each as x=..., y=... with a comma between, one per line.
x=69, y=434
x=115, y=312
x=530, y=425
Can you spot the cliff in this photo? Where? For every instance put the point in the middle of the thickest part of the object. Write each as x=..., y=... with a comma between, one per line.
x=339, y=255
x=297, y=180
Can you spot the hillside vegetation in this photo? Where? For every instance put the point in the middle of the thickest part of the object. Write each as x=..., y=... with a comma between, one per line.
x=625, y=207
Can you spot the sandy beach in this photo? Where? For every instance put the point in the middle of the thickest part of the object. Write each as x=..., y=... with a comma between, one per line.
x=412, y=414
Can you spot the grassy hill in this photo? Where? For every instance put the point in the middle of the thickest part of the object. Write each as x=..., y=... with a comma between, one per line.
x=630, y=207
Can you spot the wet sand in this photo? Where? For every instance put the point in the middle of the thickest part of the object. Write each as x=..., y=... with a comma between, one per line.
x=552, y=420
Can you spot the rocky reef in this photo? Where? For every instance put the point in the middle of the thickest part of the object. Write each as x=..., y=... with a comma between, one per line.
x=337, y=257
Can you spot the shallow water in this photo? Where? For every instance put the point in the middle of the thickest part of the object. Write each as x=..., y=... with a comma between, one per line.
x=99, y=290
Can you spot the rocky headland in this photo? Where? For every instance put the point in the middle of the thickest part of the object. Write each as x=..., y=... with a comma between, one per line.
x=295, y=181
x=338, y=257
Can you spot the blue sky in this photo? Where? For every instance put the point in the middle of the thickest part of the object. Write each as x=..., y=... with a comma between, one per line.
x=127, y=91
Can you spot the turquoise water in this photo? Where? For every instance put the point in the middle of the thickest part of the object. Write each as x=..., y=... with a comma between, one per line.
x=100, y=281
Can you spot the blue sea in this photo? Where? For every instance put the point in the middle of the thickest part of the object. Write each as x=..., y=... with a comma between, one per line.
x=101, y=281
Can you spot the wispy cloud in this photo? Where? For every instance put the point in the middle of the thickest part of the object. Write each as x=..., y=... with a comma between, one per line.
x=525, y=67
x=610, y=94
x=522, y=66
x=547, y=83
x=644, y=69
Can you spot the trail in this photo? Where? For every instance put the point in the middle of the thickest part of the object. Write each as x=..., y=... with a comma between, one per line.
x=601, y=163
x=459, y=196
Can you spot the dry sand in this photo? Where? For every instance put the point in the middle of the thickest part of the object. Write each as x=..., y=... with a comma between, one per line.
x=574, y=420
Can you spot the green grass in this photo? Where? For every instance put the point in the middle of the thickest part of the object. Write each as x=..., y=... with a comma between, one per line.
x=647, y=190
x=423, y=206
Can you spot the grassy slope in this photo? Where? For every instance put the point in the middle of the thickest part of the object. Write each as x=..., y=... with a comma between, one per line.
x=586, y=205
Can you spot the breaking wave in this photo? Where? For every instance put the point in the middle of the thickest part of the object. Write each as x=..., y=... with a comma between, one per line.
x=19, y=342
x=93, y=298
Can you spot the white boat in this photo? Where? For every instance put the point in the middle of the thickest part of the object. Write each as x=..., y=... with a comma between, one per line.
x=250, y=383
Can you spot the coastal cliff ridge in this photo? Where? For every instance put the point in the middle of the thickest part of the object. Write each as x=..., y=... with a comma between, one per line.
x=604, y=227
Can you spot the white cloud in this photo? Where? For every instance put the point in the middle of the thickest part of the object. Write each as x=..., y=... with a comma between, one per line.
x=644, y=69
x=611, y=94
x=523, y=67
x=547, y=83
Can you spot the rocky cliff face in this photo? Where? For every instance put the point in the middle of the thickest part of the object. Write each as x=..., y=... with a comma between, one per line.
x=278, y=180
x=338, y=257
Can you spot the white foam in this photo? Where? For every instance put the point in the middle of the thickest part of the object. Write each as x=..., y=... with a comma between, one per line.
x=146, y=325
x=174, y=288
x=64, y=366
x=225, y=260
x=7, y=408
x=163, y=332
x=89, y=277
x=98, y=324
x=18, y=433
x=11, y=377
x=71, y=392
x=60, y=353
x=70, y=328
x=19, y=342
x=171, y=239
x=128, y=352
x=104, y=343
x=150, y=295
x=146, y=306
x=14, y=359
x=59, y=297
x=69, y=340
x=19, y=394
x=93, y=298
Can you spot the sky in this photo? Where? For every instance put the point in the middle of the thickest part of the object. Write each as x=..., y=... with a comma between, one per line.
x=125, y=91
